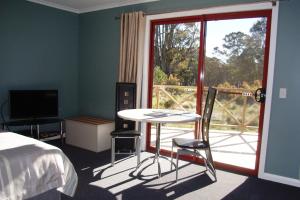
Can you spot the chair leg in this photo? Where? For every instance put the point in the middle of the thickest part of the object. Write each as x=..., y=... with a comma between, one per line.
x=205, y=163
x=205, y=160
x=112, y=151
x=177, y=165
x=210, y=163
x=172, y=154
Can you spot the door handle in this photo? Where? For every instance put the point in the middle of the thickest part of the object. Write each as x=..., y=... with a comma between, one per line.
x=260, y=95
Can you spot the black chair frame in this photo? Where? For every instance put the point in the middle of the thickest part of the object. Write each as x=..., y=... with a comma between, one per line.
x=125, y=129
x=195, y=146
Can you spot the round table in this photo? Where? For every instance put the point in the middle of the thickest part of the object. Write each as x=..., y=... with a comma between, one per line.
x=158, y=116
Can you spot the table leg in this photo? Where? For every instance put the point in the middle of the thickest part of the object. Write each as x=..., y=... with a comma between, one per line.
x=157, y=151
x=158, y=126
x=61, y=133
x=157, y=154
x=38, y=131
x=31, y=130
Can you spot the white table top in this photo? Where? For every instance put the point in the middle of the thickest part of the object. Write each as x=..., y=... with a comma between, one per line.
x=158, y=115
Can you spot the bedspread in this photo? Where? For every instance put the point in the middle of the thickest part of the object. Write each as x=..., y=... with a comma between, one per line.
x=29, y=167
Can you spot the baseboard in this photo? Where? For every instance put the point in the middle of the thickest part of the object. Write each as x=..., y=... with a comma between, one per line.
x=280, y=179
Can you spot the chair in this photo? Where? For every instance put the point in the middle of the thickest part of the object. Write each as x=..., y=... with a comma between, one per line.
x=194, y=146
x=124, y=139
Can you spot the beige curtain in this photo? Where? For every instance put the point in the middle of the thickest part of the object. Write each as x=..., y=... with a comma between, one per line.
x=131, y=50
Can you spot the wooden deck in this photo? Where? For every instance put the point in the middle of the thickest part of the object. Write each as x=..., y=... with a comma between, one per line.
x=228, y=147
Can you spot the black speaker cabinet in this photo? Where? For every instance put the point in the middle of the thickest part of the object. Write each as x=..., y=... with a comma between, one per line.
x=125, y=99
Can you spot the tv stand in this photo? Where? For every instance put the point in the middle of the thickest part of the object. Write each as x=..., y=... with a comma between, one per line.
x=36, y=123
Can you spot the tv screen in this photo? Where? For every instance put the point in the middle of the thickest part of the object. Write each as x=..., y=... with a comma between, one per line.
x=25, y=104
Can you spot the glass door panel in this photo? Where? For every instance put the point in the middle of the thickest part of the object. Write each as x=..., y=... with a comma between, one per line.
x=175, y=71
x=234, y=63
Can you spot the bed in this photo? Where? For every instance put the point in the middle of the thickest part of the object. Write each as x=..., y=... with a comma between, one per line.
x=30, y=168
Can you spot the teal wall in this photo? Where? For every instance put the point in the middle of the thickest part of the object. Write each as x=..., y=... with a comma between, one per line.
x=284, y=134
x=39, y=50
x=99, y=57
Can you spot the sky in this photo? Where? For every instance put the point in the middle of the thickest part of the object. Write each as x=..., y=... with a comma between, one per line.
x=216, y=31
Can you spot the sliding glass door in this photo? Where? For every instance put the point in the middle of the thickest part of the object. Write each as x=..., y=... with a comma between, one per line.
x=225, y=51
x=174, y=74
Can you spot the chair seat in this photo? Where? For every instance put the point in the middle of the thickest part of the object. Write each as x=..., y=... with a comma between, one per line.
x=127, y=133
x=190, y=143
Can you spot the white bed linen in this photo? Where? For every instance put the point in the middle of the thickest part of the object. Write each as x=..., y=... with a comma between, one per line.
x=29, y=167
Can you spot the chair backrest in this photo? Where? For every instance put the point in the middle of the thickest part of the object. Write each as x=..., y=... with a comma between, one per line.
x=125, y=99
x=207, y=112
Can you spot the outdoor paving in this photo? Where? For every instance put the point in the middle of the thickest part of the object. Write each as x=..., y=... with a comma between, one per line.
x=228, y=147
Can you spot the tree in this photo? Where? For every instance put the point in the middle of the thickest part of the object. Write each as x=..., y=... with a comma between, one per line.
x=258, y=31
x=159, y=76
x=235, y=43
x=176, y=55
x=176, y=50
x=214, y=71
x=186, y=76
x=245, y=54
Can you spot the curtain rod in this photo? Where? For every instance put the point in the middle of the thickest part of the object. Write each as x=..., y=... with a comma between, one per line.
x=274, y=2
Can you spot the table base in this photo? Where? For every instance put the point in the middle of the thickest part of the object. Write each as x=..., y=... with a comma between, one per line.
x=155, y=158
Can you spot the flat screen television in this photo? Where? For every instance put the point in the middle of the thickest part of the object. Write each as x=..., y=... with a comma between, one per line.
x=32, y=104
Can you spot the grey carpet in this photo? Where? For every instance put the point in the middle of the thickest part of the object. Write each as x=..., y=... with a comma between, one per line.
x=97, y=180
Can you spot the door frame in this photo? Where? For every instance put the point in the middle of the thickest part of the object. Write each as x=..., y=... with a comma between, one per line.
x=213, y=13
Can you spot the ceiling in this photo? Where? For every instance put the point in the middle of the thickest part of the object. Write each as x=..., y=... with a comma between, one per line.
x=82, y=6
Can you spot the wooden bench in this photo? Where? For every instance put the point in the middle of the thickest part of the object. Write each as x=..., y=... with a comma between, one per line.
x=89, y=133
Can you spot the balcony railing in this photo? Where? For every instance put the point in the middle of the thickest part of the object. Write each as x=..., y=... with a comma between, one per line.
x=235, y=108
